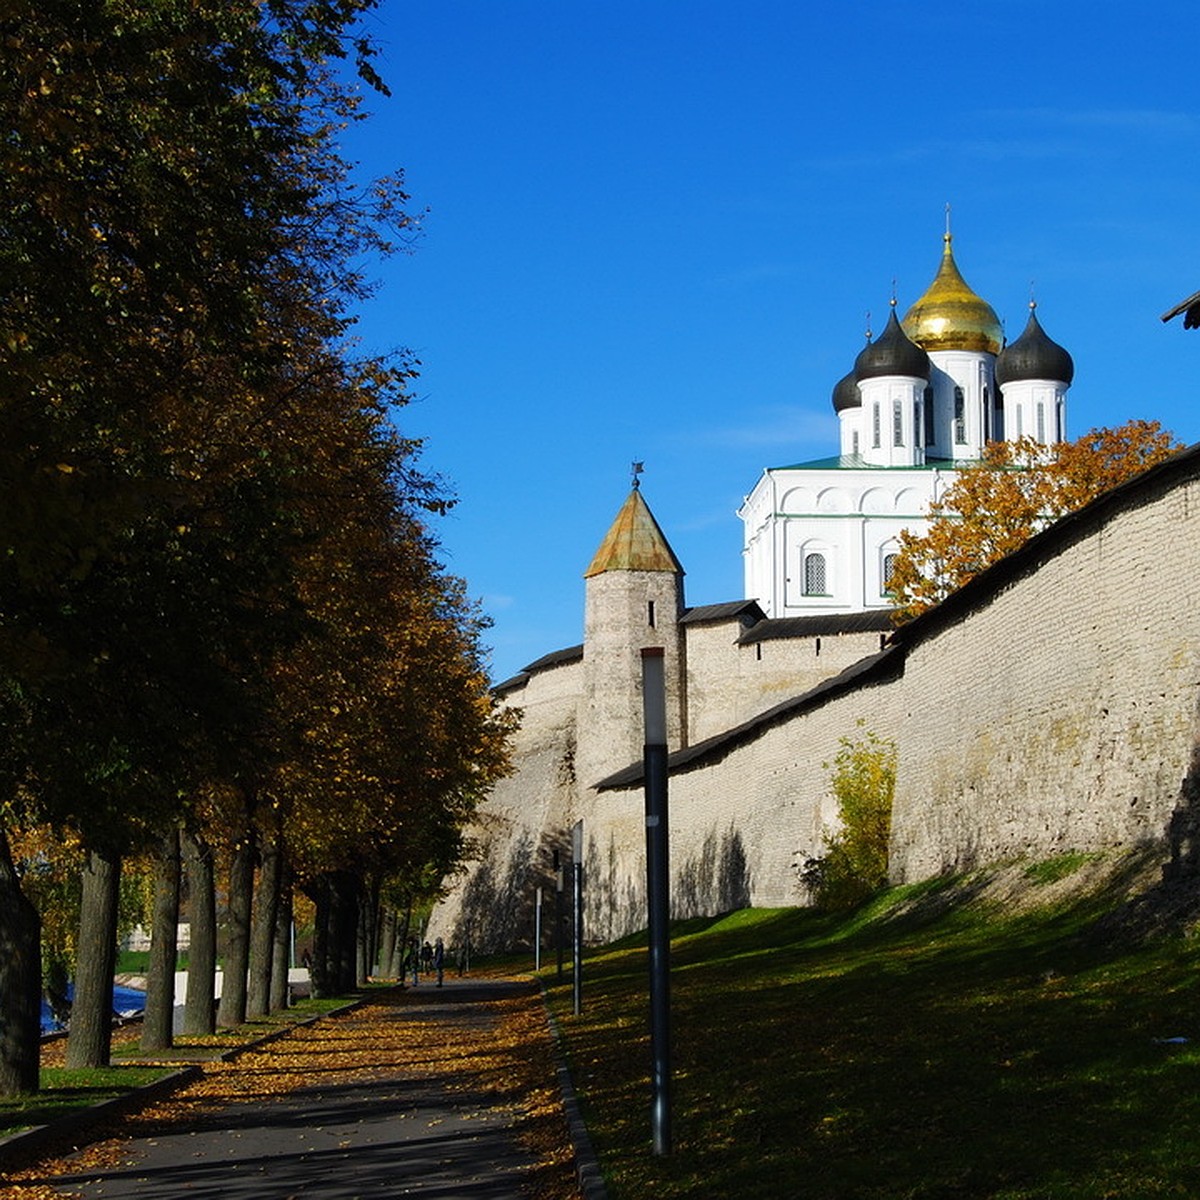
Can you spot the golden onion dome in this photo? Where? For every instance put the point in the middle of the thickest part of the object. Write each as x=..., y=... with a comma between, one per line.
x=950, y=316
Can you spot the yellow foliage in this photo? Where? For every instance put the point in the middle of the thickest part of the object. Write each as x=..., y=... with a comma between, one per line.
x=1017, y=489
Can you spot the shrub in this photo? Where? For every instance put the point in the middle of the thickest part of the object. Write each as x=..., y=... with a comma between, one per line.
x=855, y=863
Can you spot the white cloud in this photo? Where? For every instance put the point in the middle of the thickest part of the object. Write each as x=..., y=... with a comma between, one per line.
x=781, y=425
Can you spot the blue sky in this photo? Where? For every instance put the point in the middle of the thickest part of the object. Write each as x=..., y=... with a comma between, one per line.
x=654, y=230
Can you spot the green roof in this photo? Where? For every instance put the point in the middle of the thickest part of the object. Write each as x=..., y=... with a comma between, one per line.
x=855, y=462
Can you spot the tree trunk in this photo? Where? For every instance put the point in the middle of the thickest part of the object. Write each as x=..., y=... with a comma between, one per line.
x=158, y=1022
x=402, y=937
x=371, y=909
x=322, y=896
x=346, y=889
x=362, y=945
x=281, y=951
x=89, y=1044
x=198, y=1016
x=20, y=982
x=231, y=1011
x=262, y=931
x=387, y=941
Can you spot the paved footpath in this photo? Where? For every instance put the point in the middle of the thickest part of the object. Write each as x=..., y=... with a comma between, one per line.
x=423, y=1093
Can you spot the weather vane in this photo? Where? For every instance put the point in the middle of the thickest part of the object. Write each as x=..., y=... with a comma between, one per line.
x=637, y=470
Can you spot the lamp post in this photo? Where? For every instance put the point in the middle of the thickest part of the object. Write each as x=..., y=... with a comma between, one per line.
x=577, y=914
x=558, y=901
x=658, y=893
x=537, y=930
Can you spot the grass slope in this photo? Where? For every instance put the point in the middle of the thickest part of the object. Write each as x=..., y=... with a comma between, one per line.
x=917, y=1048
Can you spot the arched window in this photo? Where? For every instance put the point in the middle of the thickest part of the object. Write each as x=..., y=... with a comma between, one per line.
x=897, y=424
x=960, y=417
x=814, y=575
x=875, y=424
x=917, y=424
x=885, y=575
x=854, y=442
x=1041, y=421
x=929, y=438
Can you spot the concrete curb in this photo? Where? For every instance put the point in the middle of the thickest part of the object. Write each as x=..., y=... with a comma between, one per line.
x=587, y=1165
x=30, y=1143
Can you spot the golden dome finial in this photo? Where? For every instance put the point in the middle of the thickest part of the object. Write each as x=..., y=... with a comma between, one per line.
x=950, y=316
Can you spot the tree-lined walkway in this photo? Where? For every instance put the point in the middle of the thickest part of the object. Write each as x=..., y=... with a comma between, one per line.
x=436, y=1092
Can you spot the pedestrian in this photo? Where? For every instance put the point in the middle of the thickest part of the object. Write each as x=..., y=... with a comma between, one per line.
x=414, y=960
x=427, y=958
x=439, y=959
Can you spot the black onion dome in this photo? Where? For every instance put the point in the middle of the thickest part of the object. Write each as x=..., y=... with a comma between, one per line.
x=845, y=393
x=1034, y=356
x=892, y=354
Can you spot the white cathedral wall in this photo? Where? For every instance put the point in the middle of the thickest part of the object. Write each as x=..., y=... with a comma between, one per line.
x=973, y=371
x=1022, y=400
x=853, y=517
x=761, y=546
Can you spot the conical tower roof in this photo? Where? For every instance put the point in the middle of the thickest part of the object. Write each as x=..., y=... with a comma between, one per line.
x=950, y=316
x=634, y=543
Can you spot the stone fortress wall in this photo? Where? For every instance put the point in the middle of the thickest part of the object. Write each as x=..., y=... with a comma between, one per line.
x=1048, y=706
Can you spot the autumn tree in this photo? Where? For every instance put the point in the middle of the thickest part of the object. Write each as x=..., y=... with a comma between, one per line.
x=172, y=211
x=1018, y=488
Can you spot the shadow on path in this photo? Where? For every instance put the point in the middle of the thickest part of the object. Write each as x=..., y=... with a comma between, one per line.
x=441, y=1128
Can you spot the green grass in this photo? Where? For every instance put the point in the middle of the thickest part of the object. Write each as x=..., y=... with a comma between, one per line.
x=64, y=1091
x=1051, y=870
x=915, y=1049
x=137, y=962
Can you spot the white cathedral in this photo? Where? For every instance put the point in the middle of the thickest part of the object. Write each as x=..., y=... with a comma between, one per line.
x=923, y=399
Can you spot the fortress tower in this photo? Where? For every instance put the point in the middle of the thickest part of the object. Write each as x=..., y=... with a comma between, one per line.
x=634, y=599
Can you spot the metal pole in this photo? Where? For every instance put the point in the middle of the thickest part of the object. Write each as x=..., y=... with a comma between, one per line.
x=577, y=913
x=558, y=913
x=537, y=931
x=658, y=893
